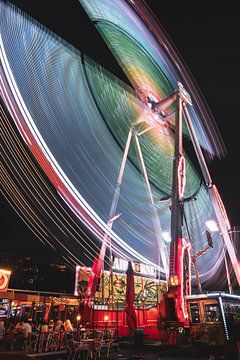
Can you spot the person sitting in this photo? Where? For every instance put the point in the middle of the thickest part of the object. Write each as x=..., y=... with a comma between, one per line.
x=10, y=335
x=43, y=327
x=20, y=336
x=2, y=333
x=27, y=329
x=19, y=325
x=59, y=326
x=68, y=326
x=34, y=327
x=51, y=325
x=11, y=328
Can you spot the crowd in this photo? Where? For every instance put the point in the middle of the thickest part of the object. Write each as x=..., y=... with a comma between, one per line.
x=30, y=337
x=24, y=328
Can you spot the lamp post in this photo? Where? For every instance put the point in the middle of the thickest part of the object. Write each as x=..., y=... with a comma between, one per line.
x=200, y=253
x=78, y=318
x=117, y=319
x=106, y=323
x=212, y=226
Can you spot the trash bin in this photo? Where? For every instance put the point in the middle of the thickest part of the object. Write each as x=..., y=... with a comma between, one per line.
x=139, y=338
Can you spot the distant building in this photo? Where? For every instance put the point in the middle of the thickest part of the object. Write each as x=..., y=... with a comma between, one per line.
x=31, y=273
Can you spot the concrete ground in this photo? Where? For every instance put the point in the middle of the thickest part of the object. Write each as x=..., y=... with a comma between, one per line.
x=146, y=351
x=159, y=353
x=156, y=351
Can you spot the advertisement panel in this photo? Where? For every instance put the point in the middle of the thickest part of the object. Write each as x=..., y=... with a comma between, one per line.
x=4, y=279
x=148, y=290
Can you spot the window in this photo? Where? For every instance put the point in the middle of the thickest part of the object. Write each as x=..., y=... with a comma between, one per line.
x=195, y=315
x=212, y=313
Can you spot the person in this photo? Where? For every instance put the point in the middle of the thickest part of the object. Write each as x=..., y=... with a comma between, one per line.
x=2, y=331
x=27, y=329
x=43, y=328
x=68, y=326
x=19, y=325
x=82, y=329
x=34, y=327
x=59, y=326
x=20, y=336
x=51, y=325
x=11, y=328
x=10, y=336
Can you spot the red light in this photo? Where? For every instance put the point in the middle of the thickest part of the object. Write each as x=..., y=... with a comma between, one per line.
x=181, y=177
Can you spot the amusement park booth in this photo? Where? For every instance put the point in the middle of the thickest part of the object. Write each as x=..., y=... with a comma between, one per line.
x=109, y=303
x=214, y=317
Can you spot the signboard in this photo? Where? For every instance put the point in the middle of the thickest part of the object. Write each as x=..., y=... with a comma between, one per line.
x=181, y=177
x=148, y=290
x=81, y=280
x=4, y=279
x=138, y=268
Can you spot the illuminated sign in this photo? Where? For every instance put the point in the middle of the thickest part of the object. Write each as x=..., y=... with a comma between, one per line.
x=4, y=279
x=81, y=279
x=181, y=177
x=138, y=268
x=101, y=307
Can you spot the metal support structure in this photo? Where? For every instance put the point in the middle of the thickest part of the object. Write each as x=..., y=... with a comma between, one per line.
x=216, y=201
x=199, y=285
x=156, y=107
x=230, y=288
x=181, y=98
x=194, y=260
x=164, y=104
x=157, y=225
x=117, y=189
x=112, y=216
x=113, y=208
x=180, y=272
x=176, y=228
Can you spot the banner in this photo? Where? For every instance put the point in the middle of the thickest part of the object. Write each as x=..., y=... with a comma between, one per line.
x=147, y=290
x=4, y=279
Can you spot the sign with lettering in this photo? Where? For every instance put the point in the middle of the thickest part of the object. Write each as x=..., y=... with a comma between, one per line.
x=138, y=268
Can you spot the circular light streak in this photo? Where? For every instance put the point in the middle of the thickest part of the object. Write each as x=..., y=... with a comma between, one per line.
x=75, y=117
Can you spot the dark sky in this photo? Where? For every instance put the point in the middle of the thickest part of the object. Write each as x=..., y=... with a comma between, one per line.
x=208, y=40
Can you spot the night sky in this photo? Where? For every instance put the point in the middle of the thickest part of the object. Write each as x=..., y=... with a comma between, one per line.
x=206, y=37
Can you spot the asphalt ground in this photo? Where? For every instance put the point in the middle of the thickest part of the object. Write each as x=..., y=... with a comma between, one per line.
x=168, y=352
x=146, y=351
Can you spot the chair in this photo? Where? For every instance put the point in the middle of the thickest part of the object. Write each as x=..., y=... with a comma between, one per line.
x=44, y=340
x=55, y=342
x=97, y=348
x=47, y=341
x=107, y=345
x=9, y=341
x=32, y=342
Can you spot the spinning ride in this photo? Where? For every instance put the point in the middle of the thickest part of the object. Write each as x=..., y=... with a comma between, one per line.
x=78, y=121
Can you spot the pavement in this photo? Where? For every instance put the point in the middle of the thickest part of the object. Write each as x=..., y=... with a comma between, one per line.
x=162, y=352
x=146, y=351
x=157, y=351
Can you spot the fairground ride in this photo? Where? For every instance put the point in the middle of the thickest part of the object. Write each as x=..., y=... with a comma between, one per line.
x=147, y=203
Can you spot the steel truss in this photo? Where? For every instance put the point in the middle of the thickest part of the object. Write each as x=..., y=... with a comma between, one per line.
x=182, y=100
